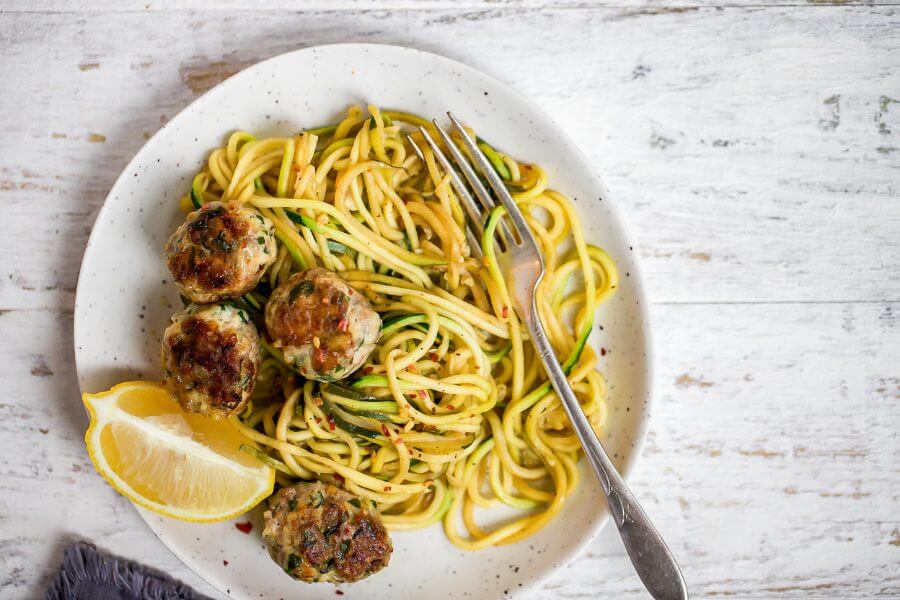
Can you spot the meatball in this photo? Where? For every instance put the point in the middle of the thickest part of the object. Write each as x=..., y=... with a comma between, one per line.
x=221, y=251
x=324, y=327
x=211, y=356
x=318, y=532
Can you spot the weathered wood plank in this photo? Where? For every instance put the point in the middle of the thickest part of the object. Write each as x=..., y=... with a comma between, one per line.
x=648, y=7
x=764, y=168
x=771, y=465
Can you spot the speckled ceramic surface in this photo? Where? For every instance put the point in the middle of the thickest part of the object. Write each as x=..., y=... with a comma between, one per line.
x=125, y=298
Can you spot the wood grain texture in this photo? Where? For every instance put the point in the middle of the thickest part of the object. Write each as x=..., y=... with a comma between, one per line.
x=644, y=7
x=715, y=150
x=753, y=150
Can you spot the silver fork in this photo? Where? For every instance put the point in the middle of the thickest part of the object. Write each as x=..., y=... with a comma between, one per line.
x=649, y=554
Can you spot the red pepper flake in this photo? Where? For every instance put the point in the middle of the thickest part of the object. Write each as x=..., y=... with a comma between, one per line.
x=330, y=422
x=387, y=488
x=422, y=393
x=368, y=370
x=339, y=478
x=398, y=441
x=412, y=369
x=343, y=325
x=350, y=291
x=451, y=407
x=318, y=419
x=244, y=527
x=295, y=167
x=505, y=311
x=602, y=351
x=385, y=430
x=317, y=401
x=434, y=356
x=225, y=562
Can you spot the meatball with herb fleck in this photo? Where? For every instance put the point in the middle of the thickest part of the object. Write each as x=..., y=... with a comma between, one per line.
x=324, y=327
x=220, y=252
x=211, y=356
x=318, y=532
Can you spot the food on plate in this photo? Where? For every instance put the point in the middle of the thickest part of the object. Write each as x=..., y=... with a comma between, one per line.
x=319, y=532
x=178, y=464
x=210, y=355
x=392, y=384
x=220, y=252
x=322, y=326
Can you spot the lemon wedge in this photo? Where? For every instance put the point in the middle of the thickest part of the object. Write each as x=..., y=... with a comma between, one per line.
x=178, y=464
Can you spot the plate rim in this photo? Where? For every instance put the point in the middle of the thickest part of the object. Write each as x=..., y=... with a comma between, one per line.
x=640, y=431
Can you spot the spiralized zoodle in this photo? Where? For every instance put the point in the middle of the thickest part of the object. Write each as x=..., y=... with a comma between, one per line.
x=452, y=411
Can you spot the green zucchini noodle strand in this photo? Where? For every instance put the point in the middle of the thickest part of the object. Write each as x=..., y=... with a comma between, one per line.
x=452, y=411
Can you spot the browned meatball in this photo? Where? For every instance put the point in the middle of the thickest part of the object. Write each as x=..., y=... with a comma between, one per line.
x=211, y=356
x=318, y=532
x=220, y=252
x=324, y=327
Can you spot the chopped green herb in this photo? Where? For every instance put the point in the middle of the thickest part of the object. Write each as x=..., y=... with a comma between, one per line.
x=261, y=241
x=309, y=537
x=342, y=552
x=223, y=244
x=304, y=287
x=355, y=502
x=292, y=504
x=294, y=561
x=317, y=499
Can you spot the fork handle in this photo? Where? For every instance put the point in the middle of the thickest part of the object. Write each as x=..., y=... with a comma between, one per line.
x=649, y=554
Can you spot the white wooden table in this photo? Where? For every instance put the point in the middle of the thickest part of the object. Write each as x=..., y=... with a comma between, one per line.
x=754, y=149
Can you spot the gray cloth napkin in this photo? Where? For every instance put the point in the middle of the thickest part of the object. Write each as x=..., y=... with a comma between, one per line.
x=88, y=574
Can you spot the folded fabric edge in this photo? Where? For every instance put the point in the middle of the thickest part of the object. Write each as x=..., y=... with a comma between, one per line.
x=83, y=563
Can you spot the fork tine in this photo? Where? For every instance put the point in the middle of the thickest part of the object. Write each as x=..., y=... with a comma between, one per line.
x=459, y=187
x=470, y=175
x=484, y=166
x=475, y=222
x=415, y=148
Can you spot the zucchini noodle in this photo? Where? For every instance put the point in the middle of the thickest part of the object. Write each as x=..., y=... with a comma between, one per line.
x=452, y=411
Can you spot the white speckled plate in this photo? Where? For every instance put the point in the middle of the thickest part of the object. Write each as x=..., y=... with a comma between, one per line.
x=125, y=298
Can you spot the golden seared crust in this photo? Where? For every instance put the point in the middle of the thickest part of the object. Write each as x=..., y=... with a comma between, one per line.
x=220, y=252
x=318, y=532
x=324, y=327
x=211, y=357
